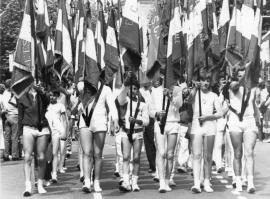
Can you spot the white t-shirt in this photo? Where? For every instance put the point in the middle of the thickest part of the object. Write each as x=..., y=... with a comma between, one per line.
x=209, y=101
x=53, y=115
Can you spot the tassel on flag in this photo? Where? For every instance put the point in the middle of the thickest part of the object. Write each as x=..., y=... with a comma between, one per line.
x=24, y=70
x=129, y=36
x=112, y=52
x=63, y=46
x=100, y=36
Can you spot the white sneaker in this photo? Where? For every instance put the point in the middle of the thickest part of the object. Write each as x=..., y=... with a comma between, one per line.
x=251, y=189
x=207, y=186
x=97, y=187
x=135, y=187
x=172, y=183
x=28, y=189
x=54, y=177
x=125, y=187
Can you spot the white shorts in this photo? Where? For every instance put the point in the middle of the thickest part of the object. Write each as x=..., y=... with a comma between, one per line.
x=208, y=128
x=135, y=136
x=170, y=128
x=221, y=124
x=95, y=124
x=35, y=132
x=247, y=125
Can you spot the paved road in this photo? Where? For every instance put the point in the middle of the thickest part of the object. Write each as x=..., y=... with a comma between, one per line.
x=12, y=181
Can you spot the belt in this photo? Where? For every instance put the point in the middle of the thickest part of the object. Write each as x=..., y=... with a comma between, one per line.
x=134, y=130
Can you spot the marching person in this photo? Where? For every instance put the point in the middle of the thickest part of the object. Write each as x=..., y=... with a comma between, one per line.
x=165, y=141
x=93, y=129
x=11, y=135
x=34, y=127
x=56, y=116
x=203, y=131
x=243, y=129
x=132, y=130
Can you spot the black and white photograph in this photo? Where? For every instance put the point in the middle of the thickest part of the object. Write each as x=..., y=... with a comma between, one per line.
x=135, y=99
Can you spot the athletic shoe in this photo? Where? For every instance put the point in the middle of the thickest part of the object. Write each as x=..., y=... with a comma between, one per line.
x=125, y=187
x=266, y=140
x=182, y=169
x=220, y=170
x=196, y=189
x=28, y=188
x=172, y=183
x=54, y=177
x=251, y=190
x=116, y=173
x=135, y=187
x=26, y=193
x=86, y=189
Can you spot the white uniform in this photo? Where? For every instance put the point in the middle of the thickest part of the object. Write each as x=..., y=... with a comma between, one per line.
x=208, y=103
x=248, y=124
x=99, y=120
x=172, y=123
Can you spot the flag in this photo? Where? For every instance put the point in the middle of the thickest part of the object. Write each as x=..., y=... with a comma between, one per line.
x=100, y=36
x=129, y=36
x=163, y=38
x=44, y=41
x=112, y=53
x=195, y=45
x=80, y=52
x=234, y=51
x=63, y=45
x=252, y=60
x=175, y=52
x=24, y=70
x=153, y=64
x=88, y=70
x=265, y=53
x=223, y=25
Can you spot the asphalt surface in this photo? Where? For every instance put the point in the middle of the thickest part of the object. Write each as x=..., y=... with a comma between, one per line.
x=69, y=186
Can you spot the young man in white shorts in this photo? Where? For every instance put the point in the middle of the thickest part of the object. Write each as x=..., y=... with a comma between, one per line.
x=243, y=130
x=132, y=138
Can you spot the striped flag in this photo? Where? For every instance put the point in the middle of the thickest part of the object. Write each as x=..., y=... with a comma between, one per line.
x=63, y=46
x=88, y=70
x=100, y=36
x=44, y=41
x=195, y=46
x=24, y=70
x=175, y=51
x=80, y=52
x=234, y=54
x=223, y=25
x=129, y=36
x=253, y=66
x=112, y=53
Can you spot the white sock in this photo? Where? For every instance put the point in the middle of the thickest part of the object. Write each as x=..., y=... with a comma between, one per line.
x=40, y=187
x=134, y=179
x=28, y=186
x=250, y=181
x=126, y=178
x=238, y=182
x=162, y=183
x=87, y=182
x=197, y=183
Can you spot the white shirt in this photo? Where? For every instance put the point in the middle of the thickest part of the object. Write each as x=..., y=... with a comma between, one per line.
x=236, y=102
x=99, y=118
x=53, y=115
x=157, y=100
x=6, y=105
x=209, y=102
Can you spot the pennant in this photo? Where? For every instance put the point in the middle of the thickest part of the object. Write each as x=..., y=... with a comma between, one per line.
x=112, y=53
x=100, y=36
x=24, y=70
x=63, y=45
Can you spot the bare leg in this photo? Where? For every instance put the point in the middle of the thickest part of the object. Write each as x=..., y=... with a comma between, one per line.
x=87, y=148
x=137, y=147
x=126, y=149
x=55, y=149
x=99, y=140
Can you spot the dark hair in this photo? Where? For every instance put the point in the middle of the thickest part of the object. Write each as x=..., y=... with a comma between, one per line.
x=56, y=93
